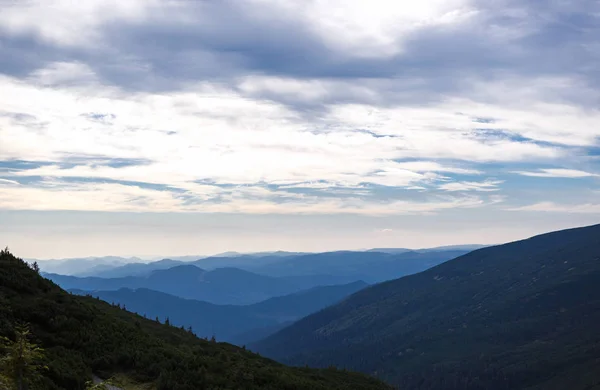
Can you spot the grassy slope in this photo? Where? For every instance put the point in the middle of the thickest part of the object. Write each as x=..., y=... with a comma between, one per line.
x=82, y=335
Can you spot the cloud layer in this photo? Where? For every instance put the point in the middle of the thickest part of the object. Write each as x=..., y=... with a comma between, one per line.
x=299, y=107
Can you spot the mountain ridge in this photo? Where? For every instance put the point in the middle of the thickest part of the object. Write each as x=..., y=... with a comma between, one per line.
x=482, y=313
x=220, y=286
x=226, y=322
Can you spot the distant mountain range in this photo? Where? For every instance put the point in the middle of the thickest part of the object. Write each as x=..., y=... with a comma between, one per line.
x=220, y=286
x=133, y=269
x=523, y=315
x=372, y=267
x=114, y=266
x=257, y=278
x=76, y=266
x=467, y=248
x=227, y=322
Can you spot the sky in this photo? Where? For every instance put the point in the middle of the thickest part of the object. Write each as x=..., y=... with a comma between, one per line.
x=147, y=127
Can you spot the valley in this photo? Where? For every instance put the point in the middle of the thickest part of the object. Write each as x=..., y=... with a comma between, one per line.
x=518, y=315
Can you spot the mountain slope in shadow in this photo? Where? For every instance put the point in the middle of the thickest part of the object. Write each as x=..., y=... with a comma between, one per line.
x=520, y=315
x=227, y=322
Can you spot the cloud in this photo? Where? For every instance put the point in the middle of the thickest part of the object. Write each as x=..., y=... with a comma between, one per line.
x=568, y=173
x=592, y=208
x=484, y=186
x=98, y=196
x=300, y=106
x=430, y=166
x=65, y=23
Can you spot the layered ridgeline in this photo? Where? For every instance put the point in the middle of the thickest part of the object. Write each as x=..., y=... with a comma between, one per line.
x=372, y=267
x=525, y=315
x=83, y=336
x=261, y=277
x=231, y=323
x=221, y=286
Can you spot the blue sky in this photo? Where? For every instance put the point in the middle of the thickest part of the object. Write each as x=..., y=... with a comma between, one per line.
x=192, y=127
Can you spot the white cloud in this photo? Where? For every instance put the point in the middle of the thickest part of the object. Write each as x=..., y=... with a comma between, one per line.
x=375, y=28
x=381, y=107
x=64, y=73
x=67, y=22
x=353, y=28
x=56, y=195
x=212, y=134
x=567, y=173
x=430, y=166
x=484, y=186
x=591, y=208
x=309, y=92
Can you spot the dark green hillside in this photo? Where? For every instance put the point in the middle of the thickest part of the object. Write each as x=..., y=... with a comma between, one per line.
x=84, y=335
x=524, y=315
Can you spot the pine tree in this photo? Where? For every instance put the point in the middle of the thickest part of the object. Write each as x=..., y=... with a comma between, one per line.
x=21, y=361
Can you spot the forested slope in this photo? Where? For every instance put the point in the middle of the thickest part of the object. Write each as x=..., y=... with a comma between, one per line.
x=521, y=315
x=82, y=336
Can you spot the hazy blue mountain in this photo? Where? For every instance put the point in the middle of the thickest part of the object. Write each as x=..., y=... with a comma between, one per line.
x=243, y=261
x=219, y=286
x=466, y=248
x=256, y=254
x=514, y=316
x=390, y=250
x=305, y=282
x=74, y=266
x=227, y=322
x=116, y=267
x=183, y=259
x=133, y=269
x=369, y=266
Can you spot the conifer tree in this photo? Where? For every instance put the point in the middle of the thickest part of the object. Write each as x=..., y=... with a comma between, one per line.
x=21, y=360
